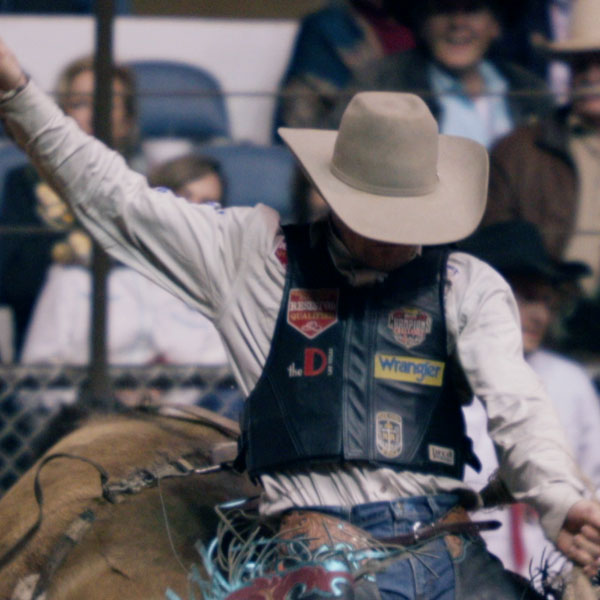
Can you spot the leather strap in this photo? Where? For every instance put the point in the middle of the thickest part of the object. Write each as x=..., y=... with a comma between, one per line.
x=454, y=522
x=321, y=529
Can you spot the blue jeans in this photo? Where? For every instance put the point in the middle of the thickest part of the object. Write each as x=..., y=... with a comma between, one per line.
x=433, y=570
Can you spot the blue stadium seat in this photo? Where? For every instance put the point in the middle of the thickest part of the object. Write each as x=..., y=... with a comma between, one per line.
x=256, y=174
x=179, y=100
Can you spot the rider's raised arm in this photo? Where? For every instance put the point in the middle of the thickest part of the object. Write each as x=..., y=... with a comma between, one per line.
x=194, y=251
x=12, y=76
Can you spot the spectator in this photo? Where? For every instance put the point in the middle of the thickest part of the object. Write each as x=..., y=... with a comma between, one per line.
x=535, y=20
x=146, y=324
x=517, y=251
x=332, y=44
x=470, y=94
x=196, y=178
x=28, y=201
x=547, y=172
x=75, y=95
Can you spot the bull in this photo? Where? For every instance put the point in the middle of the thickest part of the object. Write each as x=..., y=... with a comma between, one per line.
x=113, y=510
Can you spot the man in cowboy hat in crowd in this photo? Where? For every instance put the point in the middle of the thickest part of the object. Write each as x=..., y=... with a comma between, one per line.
x=548, y=172
x=345, y=336
x=516, y=250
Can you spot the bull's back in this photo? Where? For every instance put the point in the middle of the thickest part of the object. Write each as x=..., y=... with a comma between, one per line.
x=125, y=550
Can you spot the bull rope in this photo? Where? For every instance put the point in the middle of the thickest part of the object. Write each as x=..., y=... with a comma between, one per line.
x=18, y=546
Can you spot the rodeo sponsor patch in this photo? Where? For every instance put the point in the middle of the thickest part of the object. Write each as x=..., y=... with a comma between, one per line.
x=388, y=435
x=311, y=312
x=440, y=454
x=281, y=253
x=315, y=363
x=406, y=368
x=410, y=326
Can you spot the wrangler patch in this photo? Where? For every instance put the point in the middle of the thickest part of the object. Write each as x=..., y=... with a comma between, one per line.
x=388, y=435
x=440, y=454
x=311, y=312
x=406, y=368
x=410, y=326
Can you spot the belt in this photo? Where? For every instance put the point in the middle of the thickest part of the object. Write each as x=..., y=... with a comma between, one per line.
x=320, y=529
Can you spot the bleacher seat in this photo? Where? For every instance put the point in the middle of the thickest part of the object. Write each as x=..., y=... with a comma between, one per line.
x=179, y=100
x=256, y=174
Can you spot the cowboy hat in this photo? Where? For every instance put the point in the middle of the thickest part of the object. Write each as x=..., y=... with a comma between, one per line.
x=516, y=247
x=583, y=34
x=388, y=174
x=505, y=11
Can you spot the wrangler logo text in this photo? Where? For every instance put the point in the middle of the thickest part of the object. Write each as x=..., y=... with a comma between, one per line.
x=405, y=368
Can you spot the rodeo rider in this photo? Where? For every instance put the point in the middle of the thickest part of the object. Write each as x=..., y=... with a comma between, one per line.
x=344, y=334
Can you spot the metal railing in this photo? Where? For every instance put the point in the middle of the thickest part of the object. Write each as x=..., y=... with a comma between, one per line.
x=39, y=403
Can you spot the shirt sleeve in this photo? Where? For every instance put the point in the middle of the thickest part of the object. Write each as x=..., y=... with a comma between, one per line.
x=193, y=251
x=535, y=460
x=584, y=401
x=577, y=404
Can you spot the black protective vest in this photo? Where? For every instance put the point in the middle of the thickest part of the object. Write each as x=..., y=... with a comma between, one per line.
x=357, y=373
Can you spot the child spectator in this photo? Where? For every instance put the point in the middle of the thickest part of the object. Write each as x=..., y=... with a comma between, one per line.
x=146, y=324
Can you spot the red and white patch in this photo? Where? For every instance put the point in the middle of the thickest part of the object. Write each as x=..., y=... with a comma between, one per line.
x=410, y=326
x=311, y=312
x=281, y=252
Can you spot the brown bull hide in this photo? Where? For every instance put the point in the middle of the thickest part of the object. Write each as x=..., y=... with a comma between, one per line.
x=126, y=553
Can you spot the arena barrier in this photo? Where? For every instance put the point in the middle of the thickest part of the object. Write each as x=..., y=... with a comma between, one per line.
x=31, y=397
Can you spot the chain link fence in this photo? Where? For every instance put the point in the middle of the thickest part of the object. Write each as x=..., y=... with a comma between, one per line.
x=32, y=398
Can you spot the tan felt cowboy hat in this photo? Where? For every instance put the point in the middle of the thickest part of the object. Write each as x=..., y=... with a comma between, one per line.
x=584, y=31
x=389, y=175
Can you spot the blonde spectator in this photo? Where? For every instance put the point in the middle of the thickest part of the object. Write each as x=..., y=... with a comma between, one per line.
x=27, y=200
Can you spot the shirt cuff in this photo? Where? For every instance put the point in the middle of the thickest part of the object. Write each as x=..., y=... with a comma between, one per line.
x=553, y=507
x=5, y=96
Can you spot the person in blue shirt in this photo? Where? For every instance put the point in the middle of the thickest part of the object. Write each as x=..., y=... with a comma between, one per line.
x=331, y=46
x=470, y=93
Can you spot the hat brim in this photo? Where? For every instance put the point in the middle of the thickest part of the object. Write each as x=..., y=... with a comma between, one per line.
x=450, y=213
x=554, y=272
x=565, y=48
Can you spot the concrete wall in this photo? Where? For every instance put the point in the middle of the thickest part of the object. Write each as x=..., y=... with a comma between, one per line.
x=248, y=56
x=252, y=9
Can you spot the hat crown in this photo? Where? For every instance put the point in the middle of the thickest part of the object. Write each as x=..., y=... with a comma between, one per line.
x=584, y=24
x=583, y=33
x=387, y=144
x=518, y=247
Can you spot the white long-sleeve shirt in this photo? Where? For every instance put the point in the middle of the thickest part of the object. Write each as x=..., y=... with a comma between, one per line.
x=227, y=264
x=145, y=323
x=578, y=408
